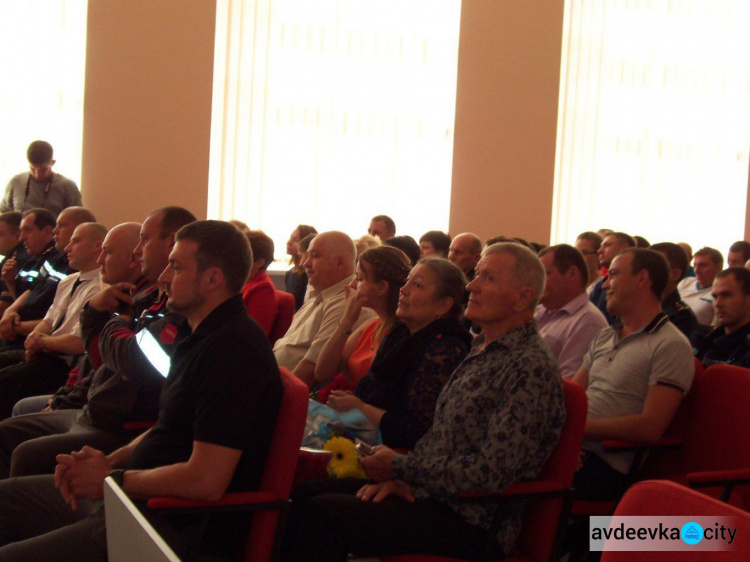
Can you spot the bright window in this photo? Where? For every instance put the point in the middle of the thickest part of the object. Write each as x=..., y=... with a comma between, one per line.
x=654, y=126
x=42, y=62
x=330, y=112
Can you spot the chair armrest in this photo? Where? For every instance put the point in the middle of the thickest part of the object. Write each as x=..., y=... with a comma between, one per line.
x=231, y=499
x=138, y=425
x=663, y=443
x=719, y=478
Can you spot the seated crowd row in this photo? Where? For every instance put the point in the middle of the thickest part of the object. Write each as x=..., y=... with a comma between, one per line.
x=454, y=350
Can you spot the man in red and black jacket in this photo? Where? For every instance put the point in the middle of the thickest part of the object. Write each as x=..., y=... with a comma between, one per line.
x=125, y=388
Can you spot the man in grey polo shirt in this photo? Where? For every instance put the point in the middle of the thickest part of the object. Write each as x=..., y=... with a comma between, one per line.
x=635, y=373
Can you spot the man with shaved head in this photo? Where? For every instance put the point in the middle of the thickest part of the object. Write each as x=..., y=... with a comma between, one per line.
x=117, y=264
x=330, y=269
x=35, y=285
x=52, y=346
x=126, y=383
x=465, y=251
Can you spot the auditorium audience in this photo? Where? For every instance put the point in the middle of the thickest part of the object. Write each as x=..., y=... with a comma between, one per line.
x=55, y=343
x=33, y=288
x=416, y=358
x=389, y=338
x=213, y=431
x=295, y=280
x=496, y=422
x=125, y=384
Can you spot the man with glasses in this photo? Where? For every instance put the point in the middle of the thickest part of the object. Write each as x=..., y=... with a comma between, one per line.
x=40, y=187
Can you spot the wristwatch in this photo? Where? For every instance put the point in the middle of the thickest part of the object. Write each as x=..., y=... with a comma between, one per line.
x=118, y=475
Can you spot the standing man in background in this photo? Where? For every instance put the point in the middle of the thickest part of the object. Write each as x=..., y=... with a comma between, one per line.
x=40, y=187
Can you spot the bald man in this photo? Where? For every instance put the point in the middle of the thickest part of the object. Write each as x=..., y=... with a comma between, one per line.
x=93, y=413
x=330, y=269
x=465, y=251
x=117, y=264
x=35, y=286
x=51, y=347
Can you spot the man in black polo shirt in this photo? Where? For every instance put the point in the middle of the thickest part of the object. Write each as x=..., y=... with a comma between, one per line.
x=215, y=420
x=728, y=344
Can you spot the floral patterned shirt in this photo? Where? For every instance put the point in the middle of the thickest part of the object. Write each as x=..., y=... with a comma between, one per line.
x=496, y=422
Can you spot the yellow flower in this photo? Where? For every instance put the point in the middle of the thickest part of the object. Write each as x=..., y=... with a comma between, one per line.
x=344, y=461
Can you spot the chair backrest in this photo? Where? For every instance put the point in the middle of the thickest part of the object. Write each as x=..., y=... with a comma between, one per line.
x=284, y=317
x=664, y=498
x=540, y=524
x=720, y=410
x=280, y=465
x=662, y=462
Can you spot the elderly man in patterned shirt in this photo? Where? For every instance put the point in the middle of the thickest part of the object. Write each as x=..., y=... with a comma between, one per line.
x=496, y=422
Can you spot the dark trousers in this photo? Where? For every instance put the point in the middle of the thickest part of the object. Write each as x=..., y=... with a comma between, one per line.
x=594, y=481
x=37, y=524
x=327, y=522
x=30, y=443
x=45, y=373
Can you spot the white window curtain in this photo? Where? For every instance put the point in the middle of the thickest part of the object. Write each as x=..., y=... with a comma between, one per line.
x=330, y=112
x=654, y=120
x=42, y=62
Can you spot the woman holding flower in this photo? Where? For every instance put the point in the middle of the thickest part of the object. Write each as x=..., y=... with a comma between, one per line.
x=416, y=358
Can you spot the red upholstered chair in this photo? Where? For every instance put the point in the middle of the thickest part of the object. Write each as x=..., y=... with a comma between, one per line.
x=271, y=501
x=284, y=317
x=661, y=458
x=663, y=498
x=715, y=455
x=548, y=496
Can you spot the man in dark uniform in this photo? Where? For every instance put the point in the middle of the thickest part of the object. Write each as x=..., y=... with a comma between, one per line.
x=125, y=386
x=33, y=287
x=680, y=314
x=728, y=344
x=11, y=249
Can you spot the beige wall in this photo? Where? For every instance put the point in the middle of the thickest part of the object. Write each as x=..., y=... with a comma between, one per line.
x=147, y=108
x=506, y=117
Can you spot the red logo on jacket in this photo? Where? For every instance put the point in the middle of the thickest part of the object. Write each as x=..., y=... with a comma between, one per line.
x=168, y=334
